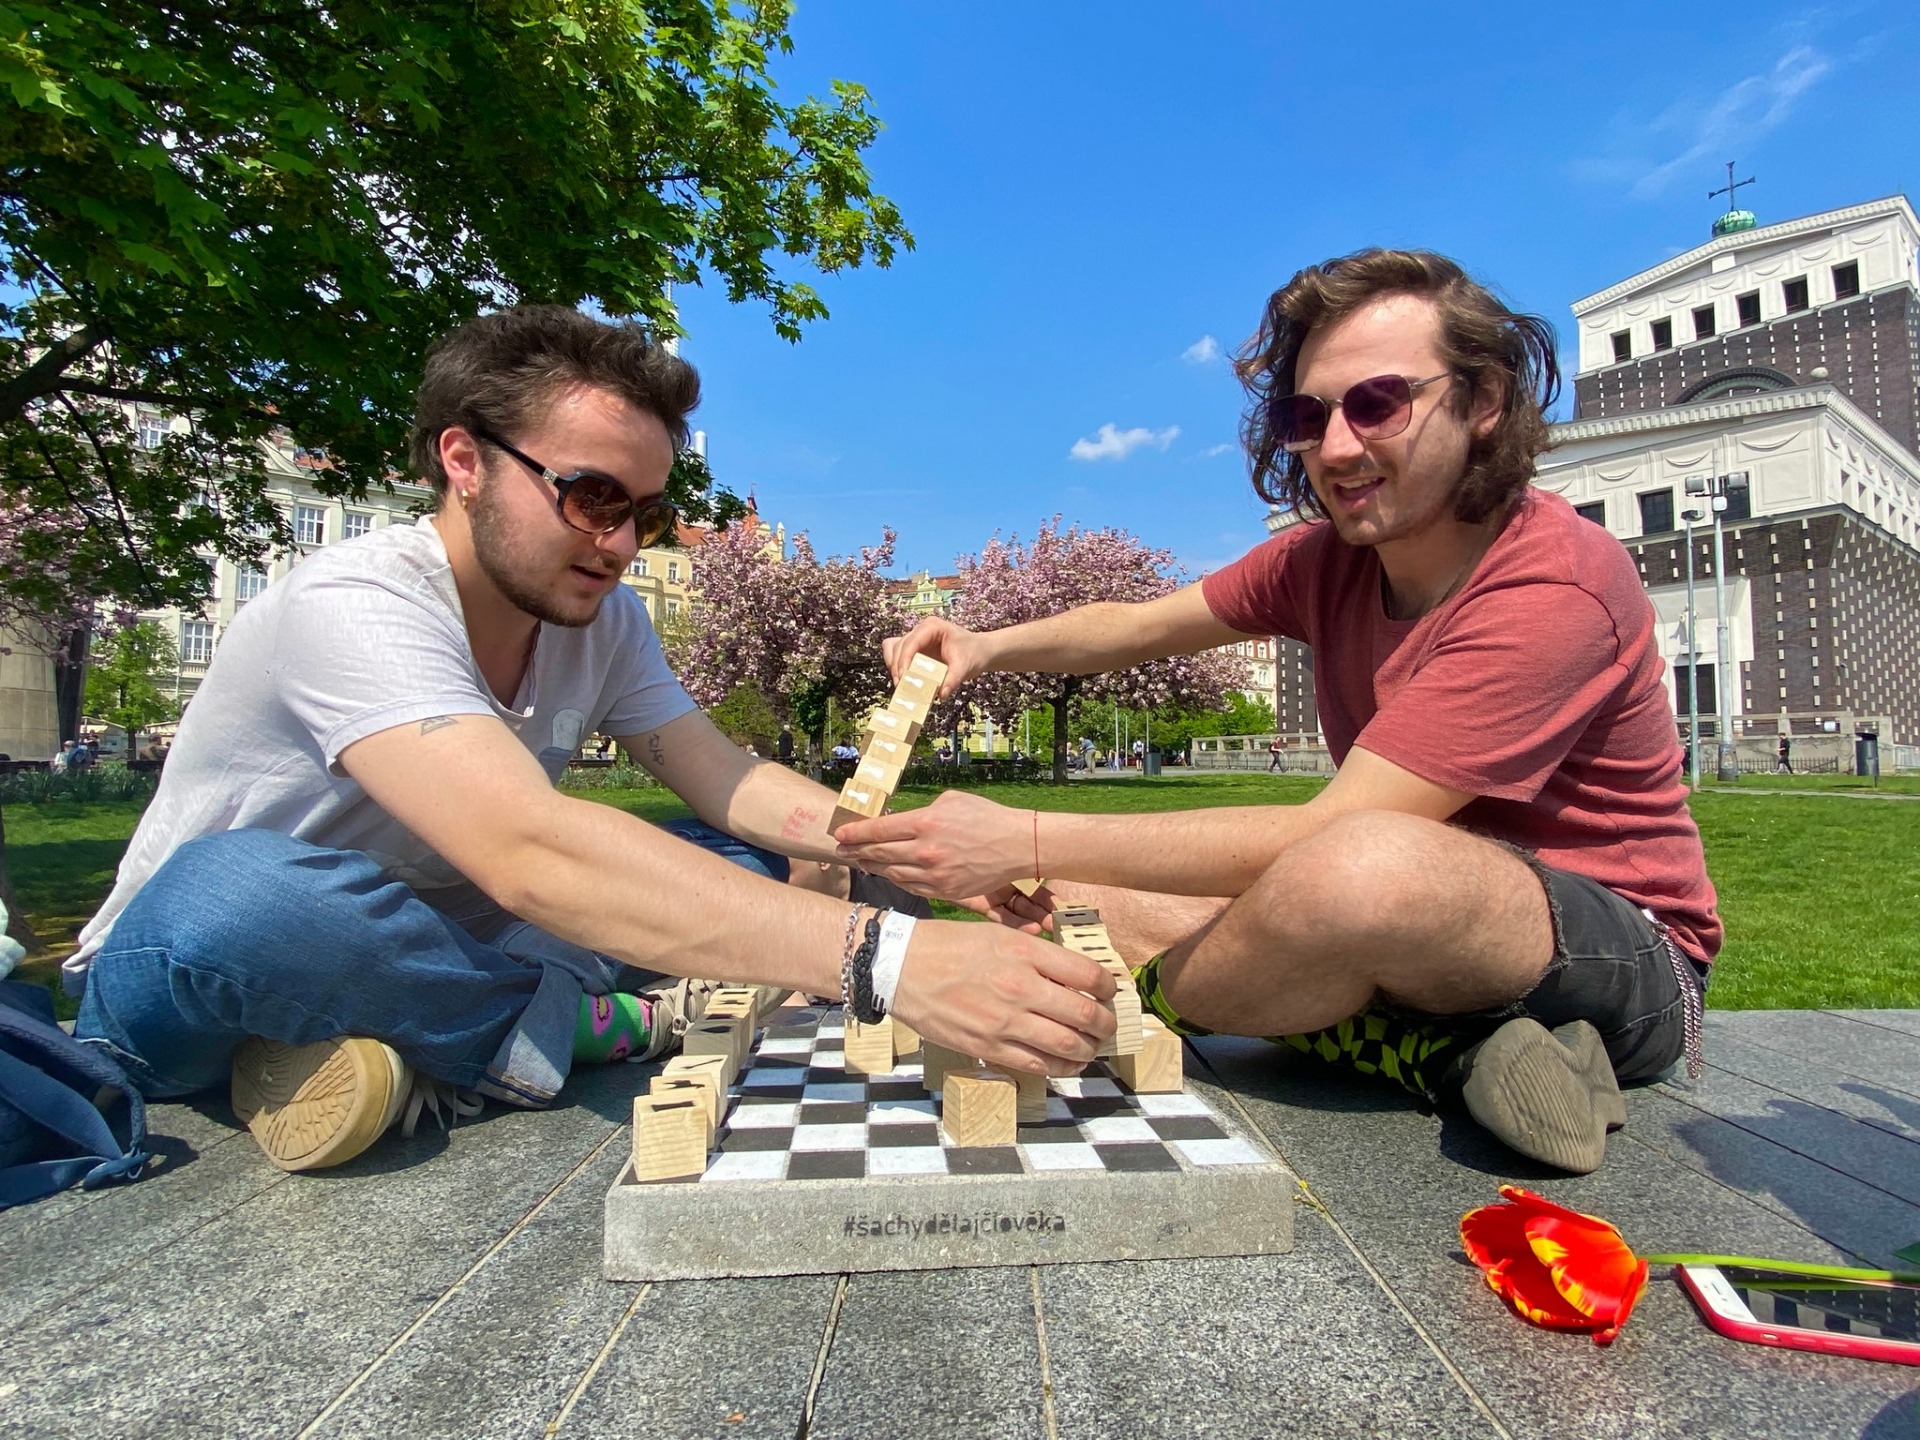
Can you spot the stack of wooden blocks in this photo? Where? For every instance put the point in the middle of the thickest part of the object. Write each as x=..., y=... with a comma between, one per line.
x=888, y=743
x=980, y=1105
x=675, y=1123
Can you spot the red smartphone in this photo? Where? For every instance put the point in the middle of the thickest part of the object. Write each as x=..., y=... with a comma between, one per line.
x=1836, y=1311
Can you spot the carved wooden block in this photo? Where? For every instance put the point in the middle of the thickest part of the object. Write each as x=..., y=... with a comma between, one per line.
x=703, y=1085
x=894, y=753
x=980, y=1107
x=721, y=1036
x=929, y=669
x=936, y=1061
x=1125, y=1009
x=671, y=1137
x=858, y=801
x=894, y=726
x=1031, y=1105
x=1159, y=1067
x=877, y=773
x=906, y=1040
x=869, y=1048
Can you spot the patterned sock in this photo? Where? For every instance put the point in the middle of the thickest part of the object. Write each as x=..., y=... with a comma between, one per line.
x=611, y=1027
x=1146, y=980
x=1412, y=1056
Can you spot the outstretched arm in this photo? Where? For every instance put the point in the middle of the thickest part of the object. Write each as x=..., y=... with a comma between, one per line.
x=1089, y=640
x=606, y=880
x=751, y=799
x=966, y=846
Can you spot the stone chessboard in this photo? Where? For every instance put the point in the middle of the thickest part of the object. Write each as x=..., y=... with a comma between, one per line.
x=819, y=1171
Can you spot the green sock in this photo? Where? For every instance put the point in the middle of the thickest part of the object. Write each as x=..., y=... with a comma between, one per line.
x=611, y=1027
x=1411, y=1055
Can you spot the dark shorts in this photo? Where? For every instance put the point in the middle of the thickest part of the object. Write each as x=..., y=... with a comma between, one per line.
x=1615, y=968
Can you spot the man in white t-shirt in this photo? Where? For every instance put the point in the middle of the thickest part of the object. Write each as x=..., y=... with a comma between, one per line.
x=357, y=881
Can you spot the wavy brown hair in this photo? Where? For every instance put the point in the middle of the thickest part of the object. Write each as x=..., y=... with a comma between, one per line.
x=501, y=371
x=1481, y=340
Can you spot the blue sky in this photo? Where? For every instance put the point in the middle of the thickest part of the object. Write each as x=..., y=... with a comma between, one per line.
x=1103, y=195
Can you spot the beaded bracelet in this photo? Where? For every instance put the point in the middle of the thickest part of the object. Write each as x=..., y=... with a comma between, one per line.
x=846, y=958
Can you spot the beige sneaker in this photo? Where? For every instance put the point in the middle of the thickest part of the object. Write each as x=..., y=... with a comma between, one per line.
x=311, y=1106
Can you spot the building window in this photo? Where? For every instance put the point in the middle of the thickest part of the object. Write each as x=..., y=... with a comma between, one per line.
x=1703, y=323
x=153, y=432
x=1623, y=345
x=1596, y=512
x=1795, y=294
x=196, y=642
x=1739, y=502
x=310, y=525
x=1749, y=306
x=639, y=566
x=673, y=574
x=1846, y=280
x=357, y=524
x=673, y=607
x=1663, y=334
x=1656, y=512
x=248, y=581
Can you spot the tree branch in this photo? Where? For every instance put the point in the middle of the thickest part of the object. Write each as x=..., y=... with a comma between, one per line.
x=144, y=397
x=42, y=377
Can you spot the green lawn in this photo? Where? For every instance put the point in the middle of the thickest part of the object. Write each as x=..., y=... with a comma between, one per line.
x=1821, y=894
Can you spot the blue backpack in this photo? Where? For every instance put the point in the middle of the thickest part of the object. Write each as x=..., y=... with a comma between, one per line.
x=51, y=1134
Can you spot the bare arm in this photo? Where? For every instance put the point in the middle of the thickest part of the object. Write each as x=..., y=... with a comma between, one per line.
x=753, y=800
x=966, y=846
x=606, y=880
x=1087, y=641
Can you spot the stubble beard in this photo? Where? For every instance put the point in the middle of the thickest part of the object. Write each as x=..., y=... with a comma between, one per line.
x=502, y=562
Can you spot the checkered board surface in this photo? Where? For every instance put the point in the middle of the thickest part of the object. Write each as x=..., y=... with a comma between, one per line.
x=800, y=1115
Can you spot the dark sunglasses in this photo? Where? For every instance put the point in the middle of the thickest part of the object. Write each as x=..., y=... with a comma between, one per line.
x=1377, y=409
x=594, y=503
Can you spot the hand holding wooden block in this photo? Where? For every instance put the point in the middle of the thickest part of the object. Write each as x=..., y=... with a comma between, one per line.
x=980, y=1107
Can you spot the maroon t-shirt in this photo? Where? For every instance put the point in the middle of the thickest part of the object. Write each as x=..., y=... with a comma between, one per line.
x=1537, y=687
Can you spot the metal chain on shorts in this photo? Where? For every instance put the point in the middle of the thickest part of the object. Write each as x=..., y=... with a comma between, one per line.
x=1692, y=1006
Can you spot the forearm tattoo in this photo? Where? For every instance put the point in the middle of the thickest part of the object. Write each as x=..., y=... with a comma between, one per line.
x=656, y=752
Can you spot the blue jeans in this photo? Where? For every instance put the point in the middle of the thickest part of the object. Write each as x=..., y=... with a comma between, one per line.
x=251, y=932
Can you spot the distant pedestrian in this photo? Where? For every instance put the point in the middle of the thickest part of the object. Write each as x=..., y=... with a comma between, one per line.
x=1783, y=756
x=783, y=746
x=1276, y=755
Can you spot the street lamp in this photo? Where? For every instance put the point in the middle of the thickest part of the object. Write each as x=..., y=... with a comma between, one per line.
x=1716, y=487
x=1693, y=660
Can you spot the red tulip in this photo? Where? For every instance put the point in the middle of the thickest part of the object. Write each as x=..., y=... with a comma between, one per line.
x=1556, y=1267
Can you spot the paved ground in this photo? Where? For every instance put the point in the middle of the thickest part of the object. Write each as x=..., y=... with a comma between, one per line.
x=450, y=1287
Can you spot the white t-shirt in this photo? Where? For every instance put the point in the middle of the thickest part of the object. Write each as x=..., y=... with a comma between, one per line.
x=361, y=637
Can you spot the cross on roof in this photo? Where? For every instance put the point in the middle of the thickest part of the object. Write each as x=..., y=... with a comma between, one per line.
x=1730, y=187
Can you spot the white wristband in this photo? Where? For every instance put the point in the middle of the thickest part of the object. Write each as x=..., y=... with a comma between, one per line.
x=895, y=931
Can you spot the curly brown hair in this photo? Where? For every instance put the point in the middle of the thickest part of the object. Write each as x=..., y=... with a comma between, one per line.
x=1481, y=340
x=499, y=371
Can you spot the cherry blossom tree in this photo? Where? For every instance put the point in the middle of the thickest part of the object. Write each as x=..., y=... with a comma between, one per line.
x=805, y=632
x=1009, y=583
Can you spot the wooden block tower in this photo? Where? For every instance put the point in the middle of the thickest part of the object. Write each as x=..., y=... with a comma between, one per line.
x=888, y=743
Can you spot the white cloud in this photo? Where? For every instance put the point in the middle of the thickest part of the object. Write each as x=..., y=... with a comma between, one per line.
x=1213, y=450
x=1708, y=129
x=1113, y=443
x=1203, y=351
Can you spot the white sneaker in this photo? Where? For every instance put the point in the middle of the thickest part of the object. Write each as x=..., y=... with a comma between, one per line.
x=321, y=1104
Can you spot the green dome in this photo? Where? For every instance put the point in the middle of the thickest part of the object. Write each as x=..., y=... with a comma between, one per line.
x=1734, y=220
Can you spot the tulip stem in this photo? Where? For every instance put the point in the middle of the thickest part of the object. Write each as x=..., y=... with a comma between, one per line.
x=1788, y=1267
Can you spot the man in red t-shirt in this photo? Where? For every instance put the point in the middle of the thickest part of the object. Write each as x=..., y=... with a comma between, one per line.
x=1501, y=897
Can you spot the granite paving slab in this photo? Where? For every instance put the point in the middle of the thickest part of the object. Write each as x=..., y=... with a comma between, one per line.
x=1818, y=1085
x=699, y=1358
x=1303, y=1344
x=195, y=1337
x=962, y=1345
x=1875, y=1053
x=1907, y=1022
x=506, y=1344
